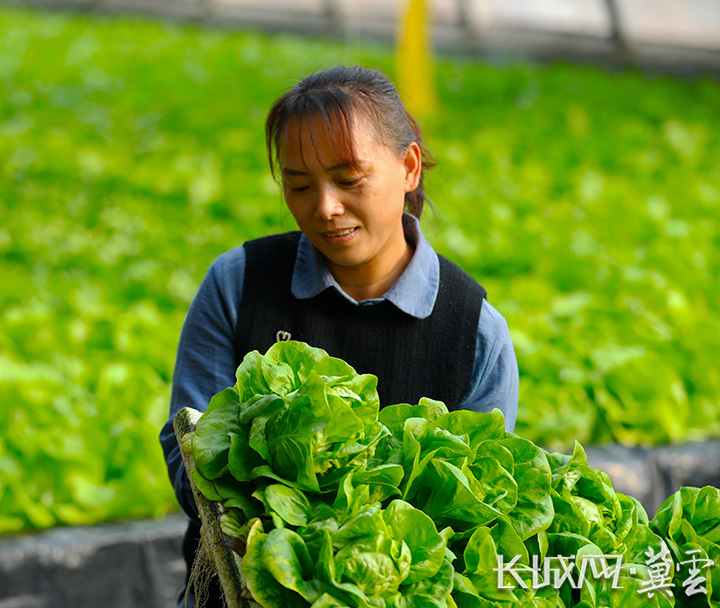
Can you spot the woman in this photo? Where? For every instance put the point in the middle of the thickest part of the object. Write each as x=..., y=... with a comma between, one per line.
x=359, y=280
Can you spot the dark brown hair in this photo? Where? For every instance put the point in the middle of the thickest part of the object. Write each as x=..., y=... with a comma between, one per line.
x=334, y=96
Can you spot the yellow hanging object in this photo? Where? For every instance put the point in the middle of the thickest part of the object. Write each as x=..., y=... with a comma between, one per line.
x=414, y=63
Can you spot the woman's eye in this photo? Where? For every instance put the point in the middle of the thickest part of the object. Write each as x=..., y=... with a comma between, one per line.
x=349, y=182
x=299, y=188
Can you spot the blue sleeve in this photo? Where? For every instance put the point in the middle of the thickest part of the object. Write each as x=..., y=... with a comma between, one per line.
x=205, y=362
x=494, y=382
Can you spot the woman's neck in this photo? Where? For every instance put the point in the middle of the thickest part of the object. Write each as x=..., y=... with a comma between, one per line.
x=371, y=280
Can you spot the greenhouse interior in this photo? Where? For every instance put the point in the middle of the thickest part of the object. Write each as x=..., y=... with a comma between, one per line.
x=573, y=148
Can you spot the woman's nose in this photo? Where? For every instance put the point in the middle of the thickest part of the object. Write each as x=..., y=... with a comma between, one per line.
x=329, y=204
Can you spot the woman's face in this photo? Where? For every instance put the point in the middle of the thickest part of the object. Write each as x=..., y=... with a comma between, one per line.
x=352, y=215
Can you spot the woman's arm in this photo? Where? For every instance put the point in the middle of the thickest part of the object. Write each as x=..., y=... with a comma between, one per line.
x=494, y=381
x=205, y=362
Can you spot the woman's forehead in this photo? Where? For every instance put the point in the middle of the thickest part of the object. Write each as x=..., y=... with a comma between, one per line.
x=327, y=140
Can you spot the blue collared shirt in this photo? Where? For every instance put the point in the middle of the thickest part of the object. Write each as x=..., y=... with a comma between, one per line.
x=205, y=362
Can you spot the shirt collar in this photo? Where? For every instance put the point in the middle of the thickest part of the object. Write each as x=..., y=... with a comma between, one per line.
x=414, y=292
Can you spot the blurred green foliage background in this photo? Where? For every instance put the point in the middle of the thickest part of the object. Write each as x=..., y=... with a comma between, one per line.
x=131, y=155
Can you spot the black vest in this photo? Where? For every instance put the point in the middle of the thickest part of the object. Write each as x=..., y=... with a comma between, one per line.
x=411, y=357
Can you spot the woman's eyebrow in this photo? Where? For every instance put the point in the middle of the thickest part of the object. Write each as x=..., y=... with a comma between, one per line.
x=289, y=171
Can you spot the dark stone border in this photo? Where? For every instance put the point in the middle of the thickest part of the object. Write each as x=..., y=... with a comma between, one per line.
x=128, y=564
x=652, y=474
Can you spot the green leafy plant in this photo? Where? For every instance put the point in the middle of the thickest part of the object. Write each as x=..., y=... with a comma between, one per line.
x=689, y=522
x=335, y=502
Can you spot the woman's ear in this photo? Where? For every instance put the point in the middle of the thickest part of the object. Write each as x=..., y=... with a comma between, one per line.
x=413, y=166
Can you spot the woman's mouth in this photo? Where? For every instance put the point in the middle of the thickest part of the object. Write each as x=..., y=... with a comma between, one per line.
x=339, y=236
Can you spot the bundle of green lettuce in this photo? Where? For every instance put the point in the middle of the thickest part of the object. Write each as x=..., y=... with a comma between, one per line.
x=689, y=521
x=333, y=501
